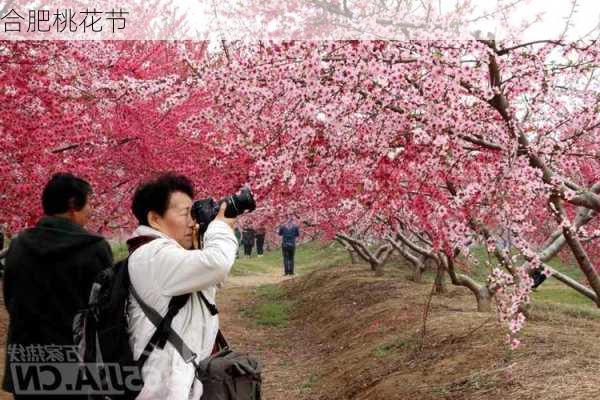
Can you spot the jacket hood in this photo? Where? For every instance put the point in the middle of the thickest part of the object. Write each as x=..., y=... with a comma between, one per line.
x=144, y=230
x=142, y=235
x=54, y=235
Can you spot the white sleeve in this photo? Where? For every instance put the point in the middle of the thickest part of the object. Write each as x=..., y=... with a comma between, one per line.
x=179, y=271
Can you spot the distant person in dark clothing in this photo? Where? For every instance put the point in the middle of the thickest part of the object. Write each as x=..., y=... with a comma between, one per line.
x=538, y=277
x=261, y=232
x=238, y=237
x=248, y=236
x=288, y=232
x=48, y=277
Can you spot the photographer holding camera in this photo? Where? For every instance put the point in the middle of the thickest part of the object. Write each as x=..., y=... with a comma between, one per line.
x=163, y=264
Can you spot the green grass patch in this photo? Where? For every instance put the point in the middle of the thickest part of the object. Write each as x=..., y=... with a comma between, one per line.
x=572, y=271
x=270, y=293
x=272, y=309
x=554, y=292
x=271, y=314
x=546, y=310
x=254, y=265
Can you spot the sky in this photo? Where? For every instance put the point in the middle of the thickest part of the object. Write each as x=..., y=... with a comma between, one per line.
x=553, y=16
x=213, y=19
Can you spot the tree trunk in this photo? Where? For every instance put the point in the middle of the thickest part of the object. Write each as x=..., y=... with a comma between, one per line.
x=352, y=256
x=482, y=293
x=484, y=300
x=378, y=268
x=418, y=273
x=376, y=260
x=440, y=286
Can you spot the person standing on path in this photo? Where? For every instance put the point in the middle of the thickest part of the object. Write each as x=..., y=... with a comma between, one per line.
x=288, y=232
x=1, y=238
x=248, y=236
x=261, y=232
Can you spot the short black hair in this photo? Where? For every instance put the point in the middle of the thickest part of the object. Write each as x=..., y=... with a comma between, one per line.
x=63, y=191
x=154, y=195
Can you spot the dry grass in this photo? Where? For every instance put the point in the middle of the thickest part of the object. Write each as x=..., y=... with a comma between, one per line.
x=367, y=333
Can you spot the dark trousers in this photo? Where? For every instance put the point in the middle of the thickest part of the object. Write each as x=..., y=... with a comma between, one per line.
x=248, y=249
x=260, y=243
x=538, y=278
x=288, y=259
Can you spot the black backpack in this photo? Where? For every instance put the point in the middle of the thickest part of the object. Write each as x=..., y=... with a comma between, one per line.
x=100, y=332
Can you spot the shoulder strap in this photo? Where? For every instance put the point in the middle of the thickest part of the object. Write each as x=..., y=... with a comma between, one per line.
x=184, y=351
x=167, y=333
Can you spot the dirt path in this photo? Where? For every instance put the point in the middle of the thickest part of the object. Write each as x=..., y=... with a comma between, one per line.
x=251, y=281
x=285, y=372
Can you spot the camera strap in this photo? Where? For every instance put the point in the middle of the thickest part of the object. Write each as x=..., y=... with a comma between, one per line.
x=220, y=342
x=212, y=308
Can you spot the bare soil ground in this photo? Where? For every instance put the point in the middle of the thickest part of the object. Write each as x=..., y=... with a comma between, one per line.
x=352, y=335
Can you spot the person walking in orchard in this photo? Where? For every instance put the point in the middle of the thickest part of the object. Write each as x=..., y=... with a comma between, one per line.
x=248, y=236
x=289, y=232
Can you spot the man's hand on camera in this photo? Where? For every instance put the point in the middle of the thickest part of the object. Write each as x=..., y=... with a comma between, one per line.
x=221, y=216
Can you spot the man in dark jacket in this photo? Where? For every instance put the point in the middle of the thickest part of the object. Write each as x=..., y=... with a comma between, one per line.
x=261, y=232
x=289, y=232
x=49, y=273
x=248, y=235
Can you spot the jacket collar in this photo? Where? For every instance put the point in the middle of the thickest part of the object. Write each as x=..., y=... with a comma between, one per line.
x=52, y=222
x=144, y=230
x=143, y=233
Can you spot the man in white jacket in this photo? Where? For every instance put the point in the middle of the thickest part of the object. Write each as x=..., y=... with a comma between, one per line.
x=167, y=267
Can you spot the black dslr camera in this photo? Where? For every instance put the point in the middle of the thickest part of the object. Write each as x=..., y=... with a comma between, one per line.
x=205, y=210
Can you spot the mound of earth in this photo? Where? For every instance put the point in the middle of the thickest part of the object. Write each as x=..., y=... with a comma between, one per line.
x=365, y=336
